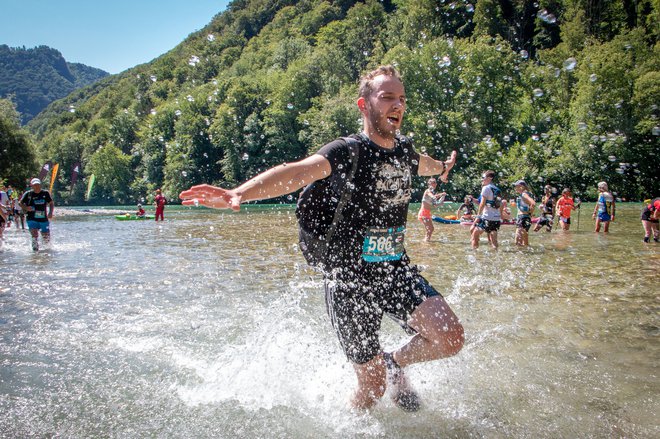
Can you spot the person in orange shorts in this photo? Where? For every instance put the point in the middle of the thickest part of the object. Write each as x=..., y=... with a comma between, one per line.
x=564, y=206
x=429, y=200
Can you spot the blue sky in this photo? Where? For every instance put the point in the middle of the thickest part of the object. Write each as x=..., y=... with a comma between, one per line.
x=112, y=35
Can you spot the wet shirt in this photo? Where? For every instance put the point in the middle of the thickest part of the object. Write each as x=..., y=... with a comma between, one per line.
x=160, y=201
x=374, y=221
x=489, y=213
x=40, y=202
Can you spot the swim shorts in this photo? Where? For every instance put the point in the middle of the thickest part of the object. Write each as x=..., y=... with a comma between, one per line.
x=564, y=219
x=424, y=214
x=489, y=225
x=604, y=217
x=44, y=226
x=356, y=303
x=524, y=222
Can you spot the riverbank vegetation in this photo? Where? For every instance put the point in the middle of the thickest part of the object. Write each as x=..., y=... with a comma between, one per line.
x=561, y=92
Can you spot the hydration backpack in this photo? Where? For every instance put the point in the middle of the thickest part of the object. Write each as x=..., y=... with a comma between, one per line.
x=320, y=207
x=496, y=202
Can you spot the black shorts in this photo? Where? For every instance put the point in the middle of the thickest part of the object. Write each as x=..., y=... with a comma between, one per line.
x=357, y=301
x=546, y=220
x=489, y=226
x=524, y=222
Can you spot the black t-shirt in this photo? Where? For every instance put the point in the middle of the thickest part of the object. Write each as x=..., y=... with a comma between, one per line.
x=378, y=208
x=39, y=201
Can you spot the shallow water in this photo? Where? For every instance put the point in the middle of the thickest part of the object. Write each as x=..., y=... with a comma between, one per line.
x=211, y=325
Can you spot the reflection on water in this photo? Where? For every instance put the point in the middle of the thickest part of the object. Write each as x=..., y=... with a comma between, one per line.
x=211, y=325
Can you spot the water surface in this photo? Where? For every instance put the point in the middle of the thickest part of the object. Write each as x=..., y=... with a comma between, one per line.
x=211, y=325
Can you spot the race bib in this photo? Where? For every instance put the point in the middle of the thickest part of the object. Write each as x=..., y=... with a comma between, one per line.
x=383, y=244
x=39, y=214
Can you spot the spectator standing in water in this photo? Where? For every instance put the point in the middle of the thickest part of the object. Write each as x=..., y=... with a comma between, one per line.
x=489, y=213
x=565, y=205
x=547, y=216
x=39, y=207
x=650, y=219
x=160, y=203
x=525, y=205
x=429, y=200
x=605, y=208
x=366, y=281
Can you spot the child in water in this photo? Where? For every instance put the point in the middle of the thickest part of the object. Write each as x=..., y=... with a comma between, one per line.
x=140, y=212
x=605, y=209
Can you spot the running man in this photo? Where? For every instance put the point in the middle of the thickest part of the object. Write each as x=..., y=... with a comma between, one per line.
x=489, y=213
x=605, y=208
x=365, y=284
x=39, y=207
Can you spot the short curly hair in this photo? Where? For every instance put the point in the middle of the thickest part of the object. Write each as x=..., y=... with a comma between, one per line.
x=367, y=79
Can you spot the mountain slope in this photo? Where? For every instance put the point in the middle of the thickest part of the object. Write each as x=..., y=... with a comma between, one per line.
x=36, y=77
x=560, y=102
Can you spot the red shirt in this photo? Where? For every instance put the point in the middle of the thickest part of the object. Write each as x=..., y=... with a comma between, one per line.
x=565, y=205
x=160, y=201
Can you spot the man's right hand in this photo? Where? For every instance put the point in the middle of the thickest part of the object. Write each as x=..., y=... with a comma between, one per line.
x=211, y=196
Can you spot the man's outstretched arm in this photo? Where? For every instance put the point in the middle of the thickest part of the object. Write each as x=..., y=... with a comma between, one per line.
x=275, y=182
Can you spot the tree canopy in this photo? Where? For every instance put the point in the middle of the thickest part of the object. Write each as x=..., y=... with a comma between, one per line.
x=560, y=92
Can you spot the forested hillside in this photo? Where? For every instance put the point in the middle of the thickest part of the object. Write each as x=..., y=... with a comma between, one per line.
x=36, y=77
x=554, y=91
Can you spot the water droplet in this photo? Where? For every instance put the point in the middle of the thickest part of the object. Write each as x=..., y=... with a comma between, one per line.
x=538, y=92
x=656, y=131
x=289, y=106
x=177, y=113
x=153, y=112
x=193, y=61
x=581, y=126
x=593, y=77
x=524, y=54
x=184, y=173
x=469, y=7
x=210, y=37
x=612, y=158
x=246, y=156
x=570, y=64
x=190, y=98
x=430, y=123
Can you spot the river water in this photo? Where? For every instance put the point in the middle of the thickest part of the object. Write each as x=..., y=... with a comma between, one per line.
x=211, y=325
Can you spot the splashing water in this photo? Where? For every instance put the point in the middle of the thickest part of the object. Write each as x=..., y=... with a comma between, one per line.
x=210, y=325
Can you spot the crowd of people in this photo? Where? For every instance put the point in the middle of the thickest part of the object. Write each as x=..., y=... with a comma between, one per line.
x=493, y=210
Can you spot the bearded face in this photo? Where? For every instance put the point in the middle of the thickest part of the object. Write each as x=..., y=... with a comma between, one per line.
x=385, y=106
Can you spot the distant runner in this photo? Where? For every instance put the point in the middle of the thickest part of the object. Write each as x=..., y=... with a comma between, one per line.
x=39, y=206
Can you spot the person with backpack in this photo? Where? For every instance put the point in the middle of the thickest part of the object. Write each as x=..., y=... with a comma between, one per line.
x=356, y=237
x=39, y=206
x=525, y=204
x=489, y=213
x=548, y=207
x=605, y=208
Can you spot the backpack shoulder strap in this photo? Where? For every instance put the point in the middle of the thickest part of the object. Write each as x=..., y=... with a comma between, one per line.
x=347, y=190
